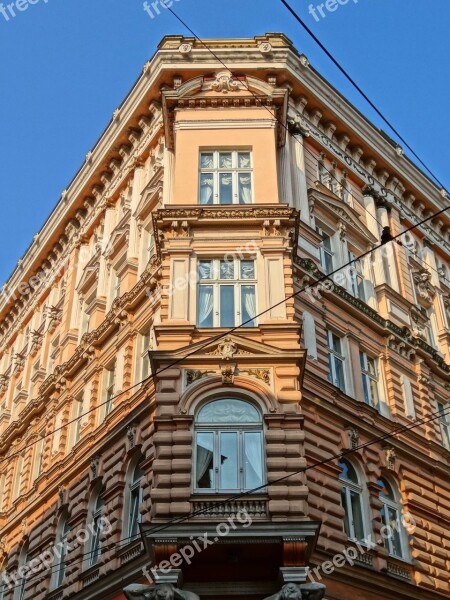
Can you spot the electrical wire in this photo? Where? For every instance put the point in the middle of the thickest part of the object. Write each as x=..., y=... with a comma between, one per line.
x=358, y=88
x=219, y=503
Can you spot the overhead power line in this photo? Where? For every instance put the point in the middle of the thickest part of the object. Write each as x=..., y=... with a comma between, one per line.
x=359, y=89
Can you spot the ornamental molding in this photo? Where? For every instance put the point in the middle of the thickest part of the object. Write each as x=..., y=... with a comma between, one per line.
x=424, y=287
x=224, y=83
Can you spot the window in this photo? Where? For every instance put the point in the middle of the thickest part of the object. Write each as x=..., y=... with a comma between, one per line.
x=390, y=516
x=149, y=245
x=38, y=456
x=352, y=501
x=18, y=477
x=408, y=397
x=135, y=501
x=115, y=284
x=19, y=593
x=145, y=361
x=53, y=355
x=226, y=293
x=110, y=377
x=228, y=447
x=61, y=551
x=326, y=254
x=336, y=360
x=225, y=177
x=2, y=494
x=431, y=329
x=444, y=422
x=370, y=379
x=96, y=528
x=309, y=335
x=357, y=278
x=75, y=425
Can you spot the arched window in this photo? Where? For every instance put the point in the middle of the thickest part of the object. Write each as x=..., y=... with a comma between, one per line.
x=96, y=527
x=61, y=551
x=352, y=501
x=228, y=447
x=134, y=502
x=19, y=593
x=392, y=530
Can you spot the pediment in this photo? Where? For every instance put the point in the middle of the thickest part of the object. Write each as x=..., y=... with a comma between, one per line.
x=223, y=89
x=90, y=274
x=231, y=348
x=321, y=196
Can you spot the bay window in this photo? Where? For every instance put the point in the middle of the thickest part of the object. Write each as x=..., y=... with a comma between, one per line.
x=226, y=293
x=225, y=177
x=228, y=447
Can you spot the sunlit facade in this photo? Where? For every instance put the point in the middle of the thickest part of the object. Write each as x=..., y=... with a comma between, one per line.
x=161, y=381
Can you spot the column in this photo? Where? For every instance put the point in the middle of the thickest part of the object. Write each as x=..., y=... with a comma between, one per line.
x=300, y=200
x=133, y=246
x=284, y=171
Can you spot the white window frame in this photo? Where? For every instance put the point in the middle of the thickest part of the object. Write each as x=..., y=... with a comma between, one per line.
x=234, y=170
x=368, y=376
x=240, y=429
x=110, y=383
x=357, y=278
x=95, y=542
x=335, y=356
x=394, y=505
x=135, y=502
x=60, y=557
x=145, y=361
x=327, y=254
x=348, y=487
x=444, y=423
x=38, y=458
x=237, y=282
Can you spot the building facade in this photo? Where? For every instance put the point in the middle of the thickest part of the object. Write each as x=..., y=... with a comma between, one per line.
x=145, y=435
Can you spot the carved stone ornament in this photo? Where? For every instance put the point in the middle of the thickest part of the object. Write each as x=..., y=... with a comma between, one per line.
x=131, y=436
x=4, y=379
x=425, y=289
x=193, y=375
x=303, y=591
x=94, y=466
x=353, y=435
x=390, y=458
x=225, y=83
x=162, y=591
x=228, y=372
x=226, y=349
x=36, y=342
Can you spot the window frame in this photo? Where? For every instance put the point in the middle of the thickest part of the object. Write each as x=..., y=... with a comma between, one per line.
x=95, y=544
x=333, y=356
x=368, y=377
x=217, y=283
x=135, y=500
x=444, y=423
x=217, y=430
x=216, y=171
x=63, y=534
x=349, y=486
x=110, y=383
x=393, y=505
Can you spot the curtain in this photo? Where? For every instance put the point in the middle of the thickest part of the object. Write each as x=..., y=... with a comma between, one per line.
x=245, y=189
x=253, y=460
x=204, y=455
x=249, y=303
x=205, y=305
x=206, y=189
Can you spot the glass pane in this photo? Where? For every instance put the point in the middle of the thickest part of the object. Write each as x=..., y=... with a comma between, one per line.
x=226, y=269
x=247, y=269
x=371, y=366
x=205, y=316
x=204, y=470
x=336, y=343
x=245, y=188
x=205, y=269
x=225, y=160
x=206, y=188
x=244, y=160
x=339, y=369
x=394, y=532
x=386, y=489
x=253, y=466
x=228, y=411
x=346, y=516
x=227, y=310
x=225, y=188
x=206, y=160
x=248, y=308
x=366, y=388
x=362, y=360
x=228, y=461
x=348, y=472
x=374, y=392
x=358, y=529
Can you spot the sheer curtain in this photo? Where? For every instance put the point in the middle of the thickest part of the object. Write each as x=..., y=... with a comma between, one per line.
x=249, y=303
x=205, y=305
x=253, y=460
x=245, y=189
x=206, y=189
x=204, y=455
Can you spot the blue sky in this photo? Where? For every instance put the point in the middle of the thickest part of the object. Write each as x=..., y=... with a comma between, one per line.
x=67, y=64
